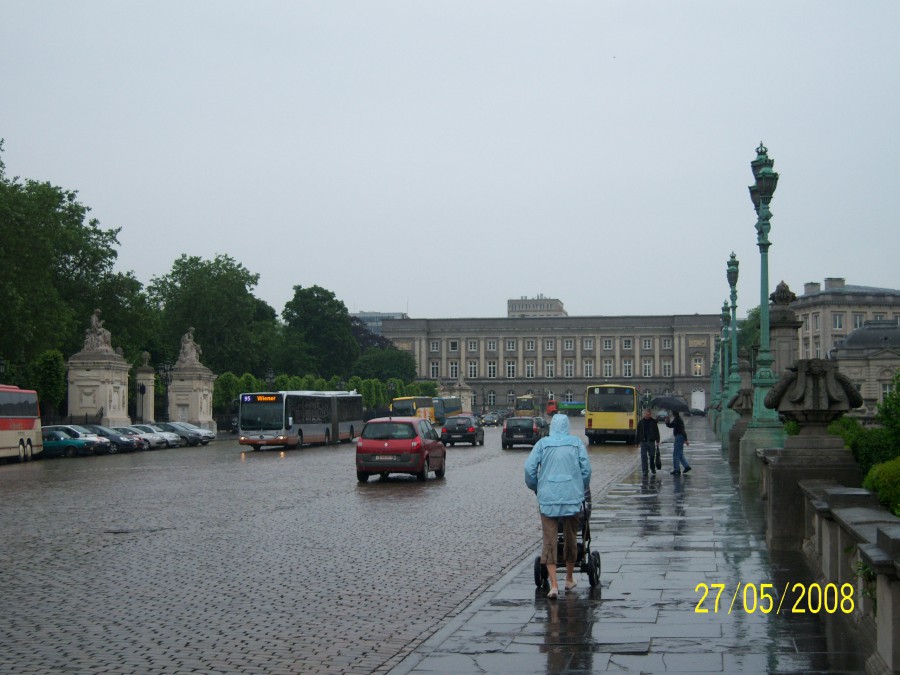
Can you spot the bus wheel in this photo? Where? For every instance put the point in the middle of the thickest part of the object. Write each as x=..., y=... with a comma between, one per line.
x=29, y=452
x=299, y=439
x=327, y=437
x=21, y=457
x=350, y=439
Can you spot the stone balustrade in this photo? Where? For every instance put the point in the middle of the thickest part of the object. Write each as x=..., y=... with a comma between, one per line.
x=850, y=538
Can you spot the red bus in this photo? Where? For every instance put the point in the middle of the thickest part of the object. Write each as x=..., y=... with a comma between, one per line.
x=20, y=423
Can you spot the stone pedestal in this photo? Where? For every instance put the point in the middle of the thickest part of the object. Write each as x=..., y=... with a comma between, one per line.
x=191, y=396
x=98, y=379
x=756, y=437
x=802, y=458
x=191, y=389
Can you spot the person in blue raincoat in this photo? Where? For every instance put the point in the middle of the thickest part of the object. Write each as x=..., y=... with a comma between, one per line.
x=559, y=471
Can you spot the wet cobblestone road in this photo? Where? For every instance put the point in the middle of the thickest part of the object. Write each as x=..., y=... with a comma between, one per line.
x=209, y=560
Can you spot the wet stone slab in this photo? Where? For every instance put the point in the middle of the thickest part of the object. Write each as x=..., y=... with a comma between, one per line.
x=660, y=542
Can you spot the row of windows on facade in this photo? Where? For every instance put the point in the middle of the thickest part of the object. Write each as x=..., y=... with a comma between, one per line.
x=837, y=320
x=587, y=344
x=568, y=368
x=491, y=397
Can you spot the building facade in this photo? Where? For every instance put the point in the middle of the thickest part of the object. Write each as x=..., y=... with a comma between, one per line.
x=556, y=358
x=373, y=320
x=829, y=314
x=532, y=307
x=870, y=357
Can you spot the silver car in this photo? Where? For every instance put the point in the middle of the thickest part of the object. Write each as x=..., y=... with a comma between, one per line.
x=172, y=439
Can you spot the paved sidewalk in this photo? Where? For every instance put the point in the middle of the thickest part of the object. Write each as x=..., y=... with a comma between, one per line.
x=658, y=539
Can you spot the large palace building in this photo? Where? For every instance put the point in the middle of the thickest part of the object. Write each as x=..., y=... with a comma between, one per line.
x=557, y=357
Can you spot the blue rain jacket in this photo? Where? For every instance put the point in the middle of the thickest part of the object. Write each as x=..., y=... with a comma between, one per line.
x=558, y=470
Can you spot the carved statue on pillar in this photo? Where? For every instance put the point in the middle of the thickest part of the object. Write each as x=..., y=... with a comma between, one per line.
x=96, y=337
x=190, y=350
x=813, y=393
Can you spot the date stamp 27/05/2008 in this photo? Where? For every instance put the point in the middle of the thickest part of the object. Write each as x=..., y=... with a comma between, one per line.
x=794, y=598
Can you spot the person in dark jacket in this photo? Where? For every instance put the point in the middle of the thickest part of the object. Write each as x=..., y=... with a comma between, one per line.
x=648, y=437
x=676, y=424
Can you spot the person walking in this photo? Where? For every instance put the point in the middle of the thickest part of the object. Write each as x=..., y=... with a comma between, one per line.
x=559, y=472
x=648, y=437
x=676, y=424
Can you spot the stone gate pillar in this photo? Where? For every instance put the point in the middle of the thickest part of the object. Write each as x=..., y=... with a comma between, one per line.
x=98, y=379
x=191, y=388
x=145, y=395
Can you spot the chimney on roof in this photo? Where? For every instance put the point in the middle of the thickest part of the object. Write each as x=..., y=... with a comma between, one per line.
x=833, y=283
x=810, y=287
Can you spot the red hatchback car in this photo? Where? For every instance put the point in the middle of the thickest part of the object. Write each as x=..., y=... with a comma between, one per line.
x=400, y=445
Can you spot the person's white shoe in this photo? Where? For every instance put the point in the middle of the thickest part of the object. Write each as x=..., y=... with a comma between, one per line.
x=553, y=594
x=571, y=584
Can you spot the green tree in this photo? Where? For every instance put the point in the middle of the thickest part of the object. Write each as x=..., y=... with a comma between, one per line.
x=888, y=411
x=225, y=390
x=384, y=364
x=316, y=318
x=748, y=332
x=215, y=297
x=44, y=229
x=47, y=374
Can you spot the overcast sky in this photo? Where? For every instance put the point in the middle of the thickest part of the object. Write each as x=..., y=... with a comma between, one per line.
x=439, y=157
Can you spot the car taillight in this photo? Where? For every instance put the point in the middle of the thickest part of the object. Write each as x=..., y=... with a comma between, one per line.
x=443, y=430
x=470, y=430
x=590, y=422
x=416, y=445
x=631, y=424
x=534, y=428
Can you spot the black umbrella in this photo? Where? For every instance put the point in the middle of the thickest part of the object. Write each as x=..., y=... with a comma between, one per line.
x=672, y=403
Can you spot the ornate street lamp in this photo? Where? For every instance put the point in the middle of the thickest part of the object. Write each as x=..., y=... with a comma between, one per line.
x=761, y=192
x=725, y=316
x=731, y=273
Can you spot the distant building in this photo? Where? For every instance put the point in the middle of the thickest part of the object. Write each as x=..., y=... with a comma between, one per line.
x=535, y=307
x=556, y=358
x=829, y=314
x=870, y=357
x=373, y=320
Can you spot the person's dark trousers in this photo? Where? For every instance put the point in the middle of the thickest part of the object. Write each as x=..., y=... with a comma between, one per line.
x=648, y=456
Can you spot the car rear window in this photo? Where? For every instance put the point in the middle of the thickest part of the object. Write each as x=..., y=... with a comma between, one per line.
x=519, y=424
x=460, y=421
x=383, y=431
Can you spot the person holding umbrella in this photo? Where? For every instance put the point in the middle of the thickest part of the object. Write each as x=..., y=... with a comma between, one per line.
x=648, y=437
x=676, y=424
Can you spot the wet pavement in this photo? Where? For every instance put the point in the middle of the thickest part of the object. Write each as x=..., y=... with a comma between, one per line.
x=664, y=542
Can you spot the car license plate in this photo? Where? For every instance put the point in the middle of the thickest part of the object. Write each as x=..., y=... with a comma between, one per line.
x=456, y=435
x=518, y=435
x=385, y=458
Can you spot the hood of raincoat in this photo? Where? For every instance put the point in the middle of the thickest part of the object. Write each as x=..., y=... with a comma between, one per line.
x=559, y=431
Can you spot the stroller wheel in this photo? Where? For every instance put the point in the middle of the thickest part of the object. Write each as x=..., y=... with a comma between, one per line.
x=594, y=569
x=540, y=573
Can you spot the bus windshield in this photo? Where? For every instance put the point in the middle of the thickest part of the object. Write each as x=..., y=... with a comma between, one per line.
x=610, y=399
x=261, y=411
x=404, y=407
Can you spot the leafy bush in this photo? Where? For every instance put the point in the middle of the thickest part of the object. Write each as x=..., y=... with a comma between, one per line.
x=874, y=446
x=884, y=480
x=847, y=428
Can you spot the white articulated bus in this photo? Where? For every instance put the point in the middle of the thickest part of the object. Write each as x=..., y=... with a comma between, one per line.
x=293, y=418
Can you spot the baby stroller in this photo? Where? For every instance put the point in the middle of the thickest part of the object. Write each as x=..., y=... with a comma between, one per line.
x=586, y=562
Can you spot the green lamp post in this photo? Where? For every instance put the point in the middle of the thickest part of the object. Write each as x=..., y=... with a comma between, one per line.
x=731, y=273
x=761, y=194
x=726, y=360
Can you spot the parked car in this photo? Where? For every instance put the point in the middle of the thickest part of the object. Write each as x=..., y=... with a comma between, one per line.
x=57, y=443
x=543, y=426
x=103, y=446
x=172, y=439
x=662, y=415
x=520, y=431
x=120, y=442
x=491, y=419
x=152, y=440
x=190, y=434
x=696, y=412
x=400, y=445
x=462, y=429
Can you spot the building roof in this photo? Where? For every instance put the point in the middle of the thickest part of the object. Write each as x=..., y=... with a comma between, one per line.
x=873, y=335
